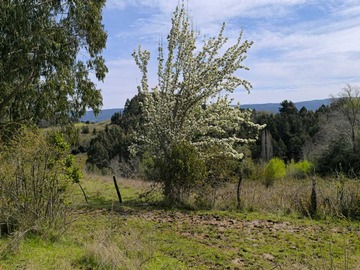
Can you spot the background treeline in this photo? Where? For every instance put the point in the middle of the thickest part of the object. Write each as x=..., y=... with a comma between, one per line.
x=327, y=137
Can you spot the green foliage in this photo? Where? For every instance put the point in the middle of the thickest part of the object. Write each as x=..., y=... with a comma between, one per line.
x=220, y=172
x=72, y=172
x=148, y=167
x=85, y=129
x=340, y=157
x=300, y=169
x=290, y=130
x=253, y=170
x=71, y=135
x=275, y=169
x=180, y=172
x=35, y=172
x=110, y=147
x=107, y=145
x=183, y=170
x=42, y=75
x=132, y=118
x=304, y=167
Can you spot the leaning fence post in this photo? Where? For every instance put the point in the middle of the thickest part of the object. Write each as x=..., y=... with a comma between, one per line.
x=117, y=189
x=313, y=200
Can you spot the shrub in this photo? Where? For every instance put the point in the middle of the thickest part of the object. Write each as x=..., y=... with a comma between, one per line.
x=71, y=135
x=180, y=173
x=85, y=129
x=111, y=143
x=300, y=169
x=304, y=168
x=340, y=157
x=274, y=169
x=34, y=174
x=220, y=171
x=253, y=170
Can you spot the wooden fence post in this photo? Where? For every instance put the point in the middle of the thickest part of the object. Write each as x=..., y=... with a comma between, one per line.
x=117, y=190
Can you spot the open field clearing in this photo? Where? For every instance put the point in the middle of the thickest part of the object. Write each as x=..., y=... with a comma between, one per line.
x=142, y=235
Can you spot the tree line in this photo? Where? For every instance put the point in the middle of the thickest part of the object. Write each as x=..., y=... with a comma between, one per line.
x=327, y=137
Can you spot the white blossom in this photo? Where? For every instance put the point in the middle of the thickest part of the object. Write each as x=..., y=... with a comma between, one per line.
x=178, y=108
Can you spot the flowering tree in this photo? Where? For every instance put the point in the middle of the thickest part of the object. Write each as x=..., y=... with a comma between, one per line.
x=178, y=108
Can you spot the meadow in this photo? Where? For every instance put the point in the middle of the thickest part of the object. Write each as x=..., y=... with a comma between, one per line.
x=270, y=231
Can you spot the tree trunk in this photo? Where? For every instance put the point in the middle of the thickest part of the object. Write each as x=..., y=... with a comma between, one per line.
x=266, y=145
x=83, y=191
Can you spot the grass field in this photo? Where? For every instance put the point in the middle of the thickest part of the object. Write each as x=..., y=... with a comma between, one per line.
x=140, y=235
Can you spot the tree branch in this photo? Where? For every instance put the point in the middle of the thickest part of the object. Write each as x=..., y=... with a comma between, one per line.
x=6, y=101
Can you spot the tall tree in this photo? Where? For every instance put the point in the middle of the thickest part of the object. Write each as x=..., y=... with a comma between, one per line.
x=178, y=108
x=187, y=78
x=348, y=103
x=290, y=130
x=47, y=51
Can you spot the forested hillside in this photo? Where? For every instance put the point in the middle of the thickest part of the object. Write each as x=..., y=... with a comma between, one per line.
x=311, y=105
x=290, y=134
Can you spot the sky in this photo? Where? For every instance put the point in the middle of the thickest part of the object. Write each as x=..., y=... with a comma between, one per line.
x=303, y=49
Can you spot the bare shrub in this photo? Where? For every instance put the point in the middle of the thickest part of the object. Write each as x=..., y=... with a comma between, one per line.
x=125, y=169
x=34, y=174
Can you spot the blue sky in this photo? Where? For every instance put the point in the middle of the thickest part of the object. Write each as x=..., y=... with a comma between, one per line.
x=303, y=49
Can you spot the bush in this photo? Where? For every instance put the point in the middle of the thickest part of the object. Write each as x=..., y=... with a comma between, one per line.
x=300, y=169
x=253, y=170
x=71, y=135
x=274, y=169
x=220, y=171
x=340, y=157
x=111, y=143
x=181, y=172
x=85, y=129
x=34, y=174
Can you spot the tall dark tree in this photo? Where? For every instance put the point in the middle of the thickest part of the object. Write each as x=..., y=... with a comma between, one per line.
x=47, y=51
x=132, y=118
x=112, y=144
x=290, y=129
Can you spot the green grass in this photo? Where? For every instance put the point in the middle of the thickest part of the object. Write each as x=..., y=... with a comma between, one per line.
x=86, y=138
x=106, y=235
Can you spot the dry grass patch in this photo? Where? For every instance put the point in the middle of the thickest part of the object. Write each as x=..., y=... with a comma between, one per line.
x=292, y=196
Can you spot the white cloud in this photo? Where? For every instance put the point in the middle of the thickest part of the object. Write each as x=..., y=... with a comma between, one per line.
x=120, y=83
x=116, y=4
x=295, y=56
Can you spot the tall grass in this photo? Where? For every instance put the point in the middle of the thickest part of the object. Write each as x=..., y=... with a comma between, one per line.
x=293, y=196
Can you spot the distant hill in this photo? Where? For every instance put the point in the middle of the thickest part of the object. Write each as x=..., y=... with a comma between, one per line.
x=311, y=105
x=103, y=115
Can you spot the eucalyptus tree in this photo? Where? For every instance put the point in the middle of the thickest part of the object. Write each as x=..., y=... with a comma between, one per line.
x=188, y=103
x=48, y=51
